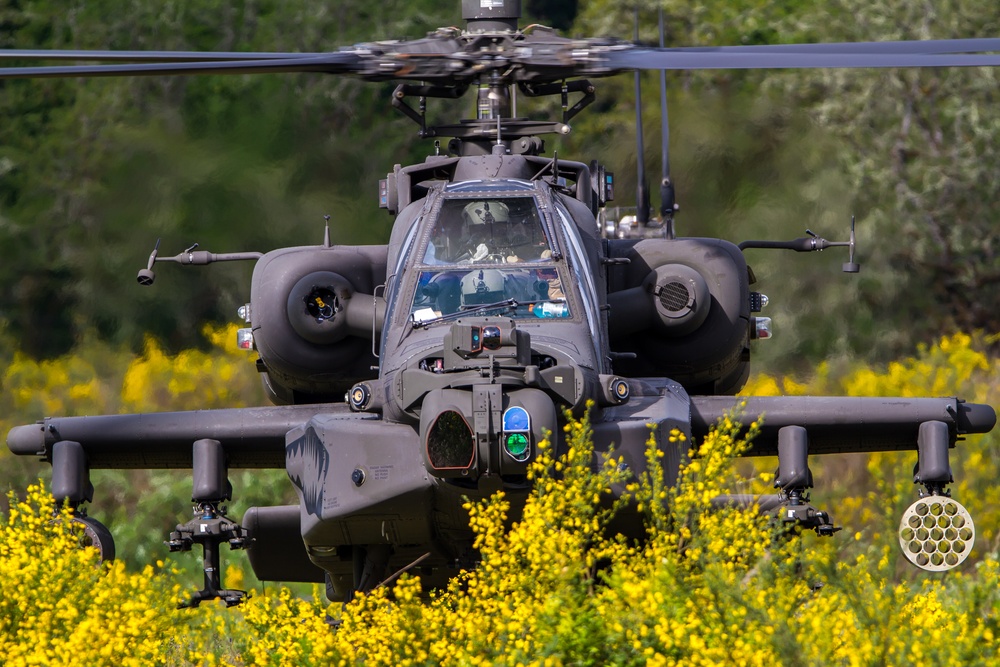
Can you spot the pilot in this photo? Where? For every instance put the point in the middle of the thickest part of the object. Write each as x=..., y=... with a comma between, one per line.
x=481, y=286
x=444, y=290
x=548, y=285
x=484, y=231
x=526, y=240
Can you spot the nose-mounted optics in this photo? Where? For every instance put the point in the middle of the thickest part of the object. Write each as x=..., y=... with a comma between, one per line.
x=516, y=435
x=451, y=444
x=491, y=338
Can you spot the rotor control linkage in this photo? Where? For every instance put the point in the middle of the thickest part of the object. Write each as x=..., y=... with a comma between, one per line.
x=793, y=480
x=190, y=256
x=812, y=243
x=210, y=526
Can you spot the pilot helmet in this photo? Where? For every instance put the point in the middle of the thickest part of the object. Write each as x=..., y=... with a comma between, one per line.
x=486, y=212
x=482, y=286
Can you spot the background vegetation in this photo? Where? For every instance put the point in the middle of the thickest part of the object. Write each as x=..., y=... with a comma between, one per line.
x=93, y=171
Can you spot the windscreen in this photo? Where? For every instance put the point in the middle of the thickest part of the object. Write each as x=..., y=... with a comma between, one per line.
x=500, y=230
x=537, y=292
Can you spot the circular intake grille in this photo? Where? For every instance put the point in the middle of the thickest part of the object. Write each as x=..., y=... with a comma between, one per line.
x=674, y=296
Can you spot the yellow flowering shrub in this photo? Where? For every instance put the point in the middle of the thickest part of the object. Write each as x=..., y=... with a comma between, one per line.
x=101, y=379
x=706, y=587
x=85, y=383
x=59, y=605
x=65, y=386
x=556, y=587
x=224, y=377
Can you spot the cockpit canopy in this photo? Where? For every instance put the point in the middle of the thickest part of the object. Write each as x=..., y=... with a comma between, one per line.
x=504, y=230
x=488, y=250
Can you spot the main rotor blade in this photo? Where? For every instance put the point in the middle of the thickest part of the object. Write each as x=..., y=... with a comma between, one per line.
x=925, y=46
x=675, y=59
x=149, y=56
x=446, y=60
x=331, y=63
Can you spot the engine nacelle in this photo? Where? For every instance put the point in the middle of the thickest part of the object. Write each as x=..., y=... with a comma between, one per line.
x=315, y=319
x=682, y=307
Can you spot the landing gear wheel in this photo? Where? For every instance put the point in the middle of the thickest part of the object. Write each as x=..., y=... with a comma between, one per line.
x=93, y=533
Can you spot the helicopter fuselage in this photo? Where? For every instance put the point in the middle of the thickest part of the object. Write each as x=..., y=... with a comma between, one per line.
x=494, y=328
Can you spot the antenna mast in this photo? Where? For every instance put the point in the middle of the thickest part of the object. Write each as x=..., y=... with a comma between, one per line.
x=667, y=202
x=642, y=187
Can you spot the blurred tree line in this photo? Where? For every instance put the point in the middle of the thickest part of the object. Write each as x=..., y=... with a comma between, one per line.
x=768, y=154
x=94, y=171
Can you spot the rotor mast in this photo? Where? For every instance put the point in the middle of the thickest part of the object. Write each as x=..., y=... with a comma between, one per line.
x=491, y=15
x=493, y=101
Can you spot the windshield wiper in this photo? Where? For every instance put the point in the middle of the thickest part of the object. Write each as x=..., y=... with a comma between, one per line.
x=506, y=304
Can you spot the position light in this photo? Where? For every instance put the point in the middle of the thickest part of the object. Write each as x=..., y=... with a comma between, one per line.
x=516, y=444
x=761, y=328
x=516, y=436
x=359, y=396
x=620, y=389
x=244, y=339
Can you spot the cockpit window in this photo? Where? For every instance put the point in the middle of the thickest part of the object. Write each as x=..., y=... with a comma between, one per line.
x=503, y=230
x=518, y=292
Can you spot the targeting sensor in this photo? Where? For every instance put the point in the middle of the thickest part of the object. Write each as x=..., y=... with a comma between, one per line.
x=450, y=443
x=516, y=435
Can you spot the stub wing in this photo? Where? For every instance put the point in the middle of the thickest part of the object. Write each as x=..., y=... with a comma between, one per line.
x=843, y=424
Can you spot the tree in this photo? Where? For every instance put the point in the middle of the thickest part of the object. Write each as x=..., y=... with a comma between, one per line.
x=920, y=147
x=767, y=154
x=93, y=171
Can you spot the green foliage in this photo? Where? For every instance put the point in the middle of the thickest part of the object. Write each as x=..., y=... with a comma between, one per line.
x=769, y=154
x=93, y=171
x=917, y=145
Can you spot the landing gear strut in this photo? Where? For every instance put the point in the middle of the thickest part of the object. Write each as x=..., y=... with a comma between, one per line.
x=210, y=527
x=793, y=480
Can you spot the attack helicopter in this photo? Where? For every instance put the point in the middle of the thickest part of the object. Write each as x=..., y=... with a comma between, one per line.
x=409, y=376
